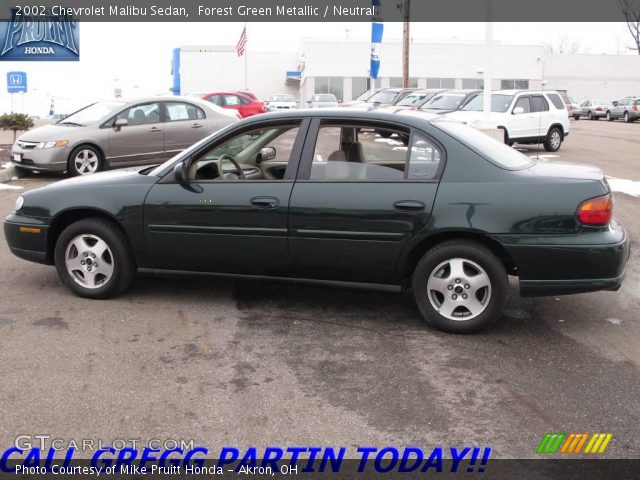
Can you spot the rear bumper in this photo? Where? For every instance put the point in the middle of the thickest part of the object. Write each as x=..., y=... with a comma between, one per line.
x=558, y=268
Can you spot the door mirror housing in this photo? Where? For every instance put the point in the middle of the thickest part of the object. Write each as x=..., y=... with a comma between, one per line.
x=180, y=173
x=518, y=110
x=121, y=122
x=266, y=154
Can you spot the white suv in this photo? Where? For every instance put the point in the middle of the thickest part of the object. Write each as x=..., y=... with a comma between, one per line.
x=526, y=116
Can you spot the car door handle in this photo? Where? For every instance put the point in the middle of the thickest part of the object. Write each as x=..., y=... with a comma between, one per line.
x=409, y=206
x=155, y=129
x=265, y=202
x=196, y=125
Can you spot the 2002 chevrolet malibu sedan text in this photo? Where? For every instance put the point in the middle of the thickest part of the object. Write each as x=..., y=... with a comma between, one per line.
x=338, y=197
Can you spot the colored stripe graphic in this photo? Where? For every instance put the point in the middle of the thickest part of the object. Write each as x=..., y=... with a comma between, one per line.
x=573, y=443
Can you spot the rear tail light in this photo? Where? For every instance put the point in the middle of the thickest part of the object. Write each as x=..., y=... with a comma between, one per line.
x=599, y=109
x=634, y=108
x=596, y=211
x=569, y=107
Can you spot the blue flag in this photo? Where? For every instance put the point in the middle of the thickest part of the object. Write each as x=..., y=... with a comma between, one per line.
x=377, y=28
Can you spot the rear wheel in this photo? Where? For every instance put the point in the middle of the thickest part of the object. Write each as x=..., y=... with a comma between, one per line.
x=626, y=117
x=93, y=258
x=576, y=117
x=460, y=286
x=553, y=140
x=609, y=117
x=590, y=115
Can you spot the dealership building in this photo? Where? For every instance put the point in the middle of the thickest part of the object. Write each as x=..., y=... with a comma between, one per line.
x=341, y=67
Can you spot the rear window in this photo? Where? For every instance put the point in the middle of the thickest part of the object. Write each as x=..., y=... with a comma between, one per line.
x=557, y=101
x=490, y=148
x=636, y=102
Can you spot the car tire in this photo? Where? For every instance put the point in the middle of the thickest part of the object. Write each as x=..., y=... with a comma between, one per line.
x=88, y=242
x=626, y=117
x=507, y=141
x=590, y=116
x=439, y=295
x=553, y=140
x=576, y=117
x=384, y=134
x=609, y=117
x=84, y=160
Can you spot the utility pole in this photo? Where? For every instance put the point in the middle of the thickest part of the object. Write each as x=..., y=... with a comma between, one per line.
x=406, y=8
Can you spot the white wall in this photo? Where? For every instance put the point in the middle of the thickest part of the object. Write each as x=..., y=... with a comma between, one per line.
x=213, y=68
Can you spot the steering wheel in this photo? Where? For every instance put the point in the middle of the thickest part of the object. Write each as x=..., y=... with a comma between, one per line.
x=223, y=176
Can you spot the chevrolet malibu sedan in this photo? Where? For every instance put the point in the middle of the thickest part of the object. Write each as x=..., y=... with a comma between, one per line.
x=113, y=134
x=320, y=196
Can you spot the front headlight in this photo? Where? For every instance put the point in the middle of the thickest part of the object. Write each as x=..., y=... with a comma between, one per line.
x=19, y=203
x=58, y=143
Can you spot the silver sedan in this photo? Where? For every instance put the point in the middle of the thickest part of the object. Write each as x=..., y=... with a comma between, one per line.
x=114, y=133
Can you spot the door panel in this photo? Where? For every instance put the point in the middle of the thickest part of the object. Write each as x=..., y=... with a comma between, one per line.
x=142, y=140
x=219, y=229
x=185, y=125
x=356, y=204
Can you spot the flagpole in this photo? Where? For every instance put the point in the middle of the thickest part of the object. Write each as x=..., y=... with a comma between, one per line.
x=246, y=53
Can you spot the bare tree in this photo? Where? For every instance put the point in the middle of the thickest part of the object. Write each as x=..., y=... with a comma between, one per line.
x=562, y=44
x=631, y=12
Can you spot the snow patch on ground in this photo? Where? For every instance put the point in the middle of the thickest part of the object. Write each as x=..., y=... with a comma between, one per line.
x=4, y=186
x=623, y=185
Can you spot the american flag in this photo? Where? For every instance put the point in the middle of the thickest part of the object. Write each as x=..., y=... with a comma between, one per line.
x=242, y=43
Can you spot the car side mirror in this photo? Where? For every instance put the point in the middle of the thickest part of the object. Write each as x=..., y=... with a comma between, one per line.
x=119, y=123
x=615, y=104
x=518, y=110
x=266, y=154
x=180, y=173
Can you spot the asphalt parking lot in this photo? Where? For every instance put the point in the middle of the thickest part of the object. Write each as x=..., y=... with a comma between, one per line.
x=245, y=363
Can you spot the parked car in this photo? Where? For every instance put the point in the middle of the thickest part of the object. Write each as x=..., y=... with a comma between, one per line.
x=448, y=101
x=114, y=133
x=281, y=102
x=323, y=100
x=364, y=96
x=628, y=109
x=573, y=108
x=526, y=116
x=413, y=100
x=594, y=109
x=450, y=215
x=245, y=103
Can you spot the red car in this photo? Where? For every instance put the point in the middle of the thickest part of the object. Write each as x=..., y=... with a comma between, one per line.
x=245, y=103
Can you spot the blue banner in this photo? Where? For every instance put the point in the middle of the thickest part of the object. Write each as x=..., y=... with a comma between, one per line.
x=377, y=28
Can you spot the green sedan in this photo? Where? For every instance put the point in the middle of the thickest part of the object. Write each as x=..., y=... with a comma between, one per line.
x=342, y=198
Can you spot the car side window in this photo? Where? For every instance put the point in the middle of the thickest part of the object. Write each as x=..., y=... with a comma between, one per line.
x=262, y=154
x=557, y=101
x=143, y=114
x=177, y=111
x=216, y=100
x=523, y=102
x=232, y=100
x=538, y=103
x=585, y=104
x=360, y=153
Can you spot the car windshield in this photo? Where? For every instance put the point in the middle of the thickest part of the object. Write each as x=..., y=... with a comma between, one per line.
x=385, y=96
x=485, y=145
x=282, y=98
x=412, y=99
x=325, y=98
x=499, y=103
x=365, y=95
x=448, y=101
x=91, y=113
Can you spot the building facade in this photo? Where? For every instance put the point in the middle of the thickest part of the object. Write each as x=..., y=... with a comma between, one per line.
x=341, y=67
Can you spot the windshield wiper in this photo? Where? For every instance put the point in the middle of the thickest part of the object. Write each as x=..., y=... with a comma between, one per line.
x=71, y=123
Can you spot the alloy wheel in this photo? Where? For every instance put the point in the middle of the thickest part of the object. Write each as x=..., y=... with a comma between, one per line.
x=459, y=289
x=89, y=261
x=86, y=162
x=555, y=139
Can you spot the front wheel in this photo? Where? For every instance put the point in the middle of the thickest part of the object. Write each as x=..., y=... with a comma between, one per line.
x=590, y=116
x=460, y=286
x=609, y=117
x=553, y=140
x=93, y=258
x=626, y=117
x=84, y=160
x=576, y=117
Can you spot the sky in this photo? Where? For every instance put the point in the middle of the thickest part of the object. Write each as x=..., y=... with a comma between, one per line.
x=137, y=56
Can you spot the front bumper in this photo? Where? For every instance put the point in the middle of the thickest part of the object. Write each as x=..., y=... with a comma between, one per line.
x=45, y=159
x=27, y=238
x=561, y=266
